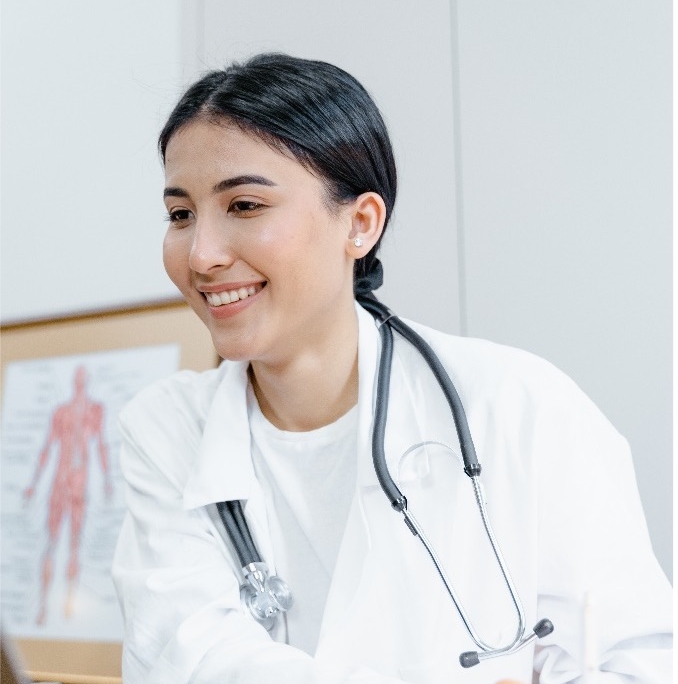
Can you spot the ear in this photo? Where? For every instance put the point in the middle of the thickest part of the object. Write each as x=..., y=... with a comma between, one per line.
x=368, y=215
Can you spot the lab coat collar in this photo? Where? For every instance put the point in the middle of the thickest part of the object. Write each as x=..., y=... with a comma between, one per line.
x=224, y=469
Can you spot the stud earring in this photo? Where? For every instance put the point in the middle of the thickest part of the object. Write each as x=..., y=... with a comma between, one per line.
x=358, y=242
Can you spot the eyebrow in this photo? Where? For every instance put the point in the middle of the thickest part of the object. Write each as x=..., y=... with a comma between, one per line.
x=226, y=184
x=241, y=180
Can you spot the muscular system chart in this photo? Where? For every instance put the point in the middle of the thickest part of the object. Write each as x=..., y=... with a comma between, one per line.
x=62, y=495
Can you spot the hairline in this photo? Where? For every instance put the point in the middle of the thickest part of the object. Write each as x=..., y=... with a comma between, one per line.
x=332, y=202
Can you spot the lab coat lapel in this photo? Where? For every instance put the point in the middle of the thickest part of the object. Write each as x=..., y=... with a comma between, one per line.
x=402, y=416
x=224, y=470
x=355, y=542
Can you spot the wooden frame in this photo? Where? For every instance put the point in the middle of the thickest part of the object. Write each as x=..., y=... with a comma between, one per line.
x=172, y=321
x=74, y=662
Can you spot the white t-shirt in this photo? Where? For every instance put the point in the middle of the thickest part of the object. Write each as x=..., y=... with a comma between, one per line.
x=308, y=478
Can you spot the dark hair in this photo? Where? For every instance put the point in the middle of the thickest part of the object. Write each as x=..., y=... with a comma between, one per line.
x=316, y=111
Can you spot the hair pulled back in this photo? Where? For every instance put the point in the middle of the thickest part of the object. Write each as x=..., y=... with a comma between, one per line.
x=316, y=111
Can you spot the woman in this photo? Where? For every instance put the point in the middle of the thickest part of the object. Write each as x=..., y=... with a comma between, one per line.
x=280, y=182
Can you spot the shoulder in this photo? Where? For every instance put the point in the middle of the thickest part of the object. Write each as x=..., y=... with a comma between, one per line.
x=59, y=414
x=162, y=428
x=514, y=392
x=527, y=415
x=94, y=415
x=485, y=367
x=178, y=403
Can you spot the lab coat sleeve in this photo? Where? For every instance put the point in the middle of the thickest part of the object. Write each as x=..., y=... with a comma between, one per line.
x=593, y=540
x=178, y=588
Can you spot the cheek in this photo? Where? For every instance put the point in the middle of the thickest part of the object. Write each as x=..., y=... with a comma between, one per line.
x=282, y=253
x=175, y=259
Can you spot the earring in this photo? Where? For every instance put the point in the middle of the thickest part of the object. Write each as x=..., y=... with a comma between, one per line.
x=358, y=242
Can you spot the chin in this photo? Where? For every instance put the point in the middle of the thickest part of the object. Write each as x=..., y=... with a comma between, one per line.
x=230, y=352
x=233, y=349
x=233, y=356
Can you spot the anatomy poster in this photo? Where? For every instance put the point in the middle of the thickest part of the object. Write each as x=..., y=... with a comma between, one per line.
x=62, y=492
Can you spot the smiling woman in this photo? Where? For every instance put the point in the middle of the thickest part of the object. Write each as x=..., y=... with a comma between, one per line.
x=279, y=184
x=273, y=231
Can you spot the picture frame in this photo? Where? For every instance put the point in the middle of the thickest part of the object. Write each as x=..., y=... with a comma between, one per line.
x=172, y=322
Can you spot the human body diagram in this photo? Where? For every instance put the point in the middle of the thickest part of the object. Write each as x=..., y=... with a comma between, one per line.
x=73, y=427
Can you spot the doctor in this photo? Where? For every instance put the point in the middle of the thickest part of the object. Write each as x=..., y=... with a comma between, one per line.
x=280, y=181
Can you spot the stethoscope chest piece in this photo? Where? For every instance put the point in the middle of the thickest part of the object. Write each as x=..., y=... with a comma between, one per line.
x=264, y=596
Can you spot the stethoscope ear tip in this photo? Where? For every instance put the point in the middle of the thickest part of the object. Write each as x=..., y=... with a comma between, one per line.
x=543, y=628
x=469, y=659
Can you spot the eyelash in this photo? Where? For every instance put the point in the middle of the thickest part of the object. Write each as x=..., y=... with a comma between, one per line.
x=244, y=206
x=239, y=207
x=173, y=217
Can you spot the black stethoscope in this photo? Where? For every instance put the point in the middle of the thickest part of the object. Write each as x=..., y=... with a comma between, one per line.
x=268, y=596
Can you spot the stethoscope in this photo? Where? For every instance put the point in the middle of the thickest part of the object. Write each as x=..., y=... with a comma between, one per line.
x=268, y=596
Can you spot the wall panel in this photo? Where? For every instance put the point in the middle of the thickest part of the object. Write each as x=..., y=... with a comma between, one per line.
x=565, y=127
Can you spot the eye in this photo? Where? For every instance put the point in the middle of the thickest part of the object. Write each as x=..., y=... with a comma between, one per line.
x=245, y=207
x=179, y=216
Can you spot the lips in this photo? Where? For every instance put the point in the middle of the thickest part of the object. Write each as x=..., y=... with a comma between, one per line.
x=230, y=296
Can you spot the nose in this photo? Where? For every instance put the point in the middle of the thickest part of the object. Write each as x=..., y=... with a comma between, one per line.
x=210, y=248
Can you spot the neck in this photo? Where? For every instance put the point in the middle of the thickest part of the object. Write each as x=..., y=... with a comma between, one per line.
x=316, y=387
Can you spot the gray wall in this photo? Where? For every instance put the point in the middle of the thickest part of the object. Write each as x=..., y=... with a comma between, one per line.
x=533, y=143
x=84, y=93
x=565, y=174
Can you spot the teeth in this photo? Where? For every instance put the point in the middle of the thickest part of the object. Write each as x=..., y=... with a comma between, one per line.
x=229, y=296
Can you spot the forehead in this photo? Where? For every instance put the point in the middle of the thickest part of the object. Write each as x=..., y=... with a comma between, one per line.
x=202, y=150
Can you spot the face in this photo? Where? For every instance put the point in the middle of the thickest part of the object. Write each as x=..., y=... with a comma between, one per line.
x=253, y=244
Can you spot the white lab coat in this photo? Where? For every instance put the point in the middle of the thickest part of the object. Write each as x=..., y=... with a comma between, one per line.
x=561, y=494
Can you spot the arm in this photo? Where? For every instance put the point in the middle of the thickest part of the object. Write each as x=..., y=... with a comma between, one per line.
x=593, y=539
x=98, y=412
x=53, y=435
x=178, y=589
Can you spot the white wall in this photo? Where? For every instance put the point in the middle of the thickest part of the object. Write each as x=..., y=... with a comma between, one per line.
x=565, y=129
x=533, y=142
x=85, y=89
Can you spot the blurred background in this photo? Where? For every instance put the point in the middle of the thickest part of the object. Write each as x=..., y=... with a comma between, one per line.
x=533, y=141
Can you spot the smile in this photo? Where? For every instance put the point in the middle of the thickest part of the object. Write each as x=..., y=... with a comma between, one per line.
x=230, y=296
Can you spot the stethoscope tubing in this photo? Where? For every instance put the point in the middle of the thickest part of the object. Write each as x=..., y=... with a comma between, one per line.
x=386, y=320
x=480, y=500
x=393, y=493
x=238, y=530
x=414, y=525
